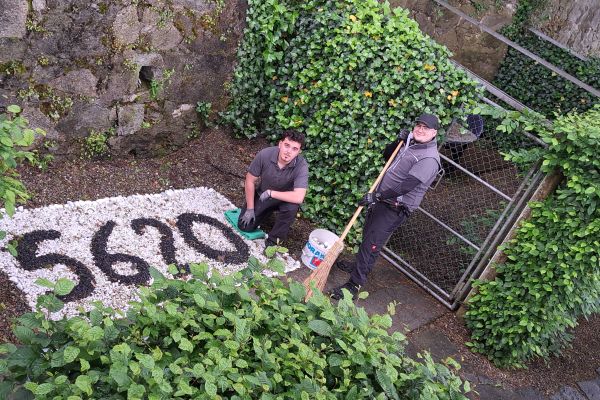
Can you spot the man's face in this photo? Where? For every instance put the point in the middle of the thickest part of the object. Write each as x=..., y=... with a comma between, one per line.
x=288, y=150
x=423, y=134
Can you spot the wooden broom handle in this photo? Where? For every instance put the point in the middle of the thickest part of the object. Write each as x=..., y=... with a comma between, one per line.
x=373, y=187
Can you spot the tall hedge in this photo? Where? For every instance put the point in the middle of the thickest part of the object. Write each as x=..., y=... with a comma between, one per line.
x=350, y=74
x=552, y=274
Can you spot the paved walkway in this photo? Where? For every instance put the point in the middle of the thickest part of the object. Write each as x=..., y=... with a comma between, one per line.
x=416, y=312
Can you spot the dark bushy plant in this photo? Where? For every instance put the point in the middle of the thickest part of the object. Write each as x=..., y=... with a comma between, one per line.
x=218, y=337
x=541, y=89
x=551, y=276
x=349, y=73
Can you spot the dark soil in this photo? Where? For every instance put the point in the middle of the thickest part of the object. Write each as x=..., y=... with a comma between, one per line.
x=219, y=161
x=575, y=364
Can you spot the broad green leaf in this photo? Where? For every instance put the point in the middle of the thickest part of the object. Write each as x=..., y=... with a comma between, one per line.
x=320, y=327
x=44, y=282
x=63, y=287
x=70, y=354
x=84, y=383
x=13, y=108
x=186, y=345
x=119, y=373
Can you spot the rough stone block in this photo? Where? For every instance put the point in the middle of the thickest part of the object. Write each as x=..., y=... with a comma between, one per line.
x=162, y=34
x=166, y=38
x=126, y=26
x=130, y=119
x=120, y=84
x=529, y=393
x=13, y=14
x=591, y=389
x=12, y=49
x=81, y=82
x=85, y=117
x=38, y=6
x=37, y=119
x=568, y=393
x=201, y=6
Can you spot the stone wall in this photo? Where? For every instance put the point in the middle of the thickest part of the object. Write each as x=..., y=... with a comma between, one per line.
x=575, y=24
x=132, y=69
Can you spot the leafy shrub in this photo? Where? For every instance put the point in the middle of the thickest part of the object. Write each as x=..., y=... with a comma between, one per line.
x=203, y=109
x=218, y=337
x=96, y=144
x=552, y=274
x=350, y=74
x=14, y=133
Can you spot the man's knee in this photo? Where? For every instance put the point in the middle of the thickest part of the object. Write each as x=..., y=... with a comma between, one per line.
x=289, y=208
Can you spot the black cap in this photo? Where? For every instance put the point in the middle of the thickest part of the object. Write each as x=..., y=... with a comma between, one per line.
x=430, y=120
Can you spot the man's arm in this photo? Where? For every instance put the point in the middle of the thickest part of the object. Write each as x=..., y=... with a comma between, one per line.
x=249, y=189
x=294, y=196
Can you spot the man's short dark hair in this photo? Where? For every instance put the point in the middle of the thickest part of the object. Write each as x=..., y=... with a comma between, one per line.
x=294, y=136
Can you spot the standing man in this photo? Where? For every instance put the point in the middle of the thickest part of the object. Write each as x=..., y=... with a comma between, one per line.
x=283, y=175
x=400, y=192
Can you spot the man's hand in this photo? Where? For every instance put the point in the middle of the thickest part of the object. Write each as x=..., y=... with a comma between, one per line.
x=248, y=217
x=266, y=195
x=370, y=199
x=403, y=134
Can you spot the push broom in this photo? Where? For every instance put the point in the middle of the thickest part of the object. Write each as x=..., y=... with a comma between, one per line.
x=319, y=275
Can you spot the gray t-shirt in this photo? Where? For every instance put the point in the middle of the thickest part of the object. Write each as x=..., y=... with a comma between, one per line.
x=294, y=175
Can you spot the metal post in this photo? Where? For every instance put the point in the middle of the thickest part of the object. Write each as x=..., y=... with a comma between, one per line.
x=523, y=50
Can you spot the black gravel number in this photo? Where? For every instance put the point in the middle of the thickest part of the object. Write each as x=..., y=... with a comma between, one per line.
x=240, y=255
x=105, y=260
x=26, y=256
x=167, y=243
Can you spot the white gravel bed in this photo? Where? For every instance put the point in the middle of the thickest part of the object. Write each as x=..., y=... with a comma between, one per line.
x=81, y=235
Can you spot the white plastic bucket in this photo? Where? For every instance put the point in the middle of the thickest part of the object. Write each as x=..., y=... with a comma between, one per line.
x=319, y=242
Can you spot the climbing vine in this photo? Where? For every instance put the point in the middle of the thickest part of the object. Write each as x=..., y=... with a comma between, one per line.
x=552, y=273
x=350, y=74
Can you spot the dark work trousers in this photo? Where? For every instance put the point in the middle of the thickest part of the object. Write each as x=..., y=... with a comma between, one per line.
x=382, y=220
x=262, y=209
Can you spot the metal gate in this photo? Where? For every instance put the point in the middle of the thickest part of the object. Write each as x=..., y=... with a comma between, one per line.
x=452, y=236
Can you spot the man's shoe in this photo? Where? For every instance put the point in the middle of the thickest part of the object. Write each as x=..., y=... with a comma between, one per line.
x=346, y=266
x=350, y=286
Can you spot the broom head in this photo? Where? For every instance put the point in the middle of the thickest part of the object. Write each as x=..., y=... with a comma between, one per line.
x=319, y=275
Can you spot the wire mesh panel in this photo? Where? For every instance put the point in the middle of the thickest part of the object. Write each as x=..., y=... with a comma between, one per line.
x=465, y=214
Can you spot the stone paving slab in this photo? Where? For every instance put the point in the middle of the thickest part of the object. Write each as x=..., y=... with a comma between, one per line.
x=568, y=393
x=591, y=389
x=433, y=341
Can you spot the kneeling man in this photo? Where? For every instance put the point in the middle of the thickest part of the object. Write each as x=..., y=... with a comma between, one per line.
x=283, y=175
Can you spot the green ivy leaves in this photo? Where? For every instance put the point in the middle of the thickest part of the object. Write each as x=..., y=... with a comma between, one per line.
x=551, y=275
